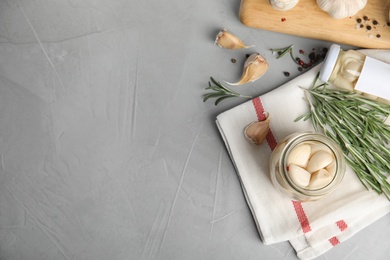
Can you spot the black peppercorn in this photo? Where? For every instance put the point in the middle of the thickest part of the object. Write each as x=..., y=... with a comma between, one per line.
x=286, y=73
x=375, y=22
x=233, y=60
x=368, y=27
x=365, y=18
x=378, y=35
x=312, y=56
x=359, y=20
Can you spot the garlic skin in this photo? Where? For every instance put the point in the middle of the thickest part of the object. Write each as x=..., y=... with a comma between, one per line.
x=254, y=68
x=339, y=9
x=256, y=132
x=283, y=5
x=228, y=40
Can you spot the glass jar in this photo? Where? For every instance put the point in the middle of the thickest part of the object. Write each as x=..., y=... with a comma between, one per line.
x=279, y=167
x=354, y=71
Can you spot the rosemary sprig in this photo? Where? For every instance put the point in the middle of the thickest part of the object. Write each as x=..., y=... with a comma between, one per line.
x=357, y=125
x=220, y=92
x=283, y=51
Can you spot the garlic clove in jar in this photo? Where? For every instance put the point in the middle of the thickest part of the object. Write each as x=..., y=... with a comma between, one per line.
x=339, y=9
x=254, y=68
x=298, y=175
x=319, y=160
x=299, y=155
x=320, y=179
x=315, y=147
x=331, y=168
x=228, y=40
x=256, y=132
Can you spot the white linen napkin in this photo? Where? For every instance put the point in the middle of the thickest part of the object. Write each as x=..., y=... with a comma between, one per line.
x=312, y=228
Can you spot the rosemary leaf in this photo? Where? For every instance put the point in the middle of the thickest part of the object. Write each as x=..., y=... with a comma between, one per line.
x=219, y=100
x=220, y=92
x=282, y=51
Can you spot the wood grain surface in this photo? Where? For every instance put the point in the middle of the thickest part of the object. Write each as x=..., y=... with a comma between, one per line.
x=308, y=20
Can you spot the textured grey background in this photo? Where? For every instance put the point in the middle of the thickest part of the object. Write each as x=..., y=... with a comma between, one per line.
x=106, y=148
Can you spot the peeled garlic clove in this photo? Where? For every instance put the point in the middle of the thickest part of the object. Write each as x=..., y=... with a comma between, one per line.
x=320, y=179
x=256, y=132
x=228, y=40
x=331, y=168
x=298, y=175
x=315, y=147
x=299, y=155
x=319, y=160
x=254, y=68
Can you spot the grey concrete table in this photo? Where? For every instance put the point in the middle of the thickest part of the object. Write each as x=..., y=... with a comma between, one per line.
x=107, y=150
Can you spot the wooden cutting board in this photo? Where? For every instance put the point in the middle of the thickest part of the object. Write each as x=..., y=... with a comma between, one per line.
x=308, y=20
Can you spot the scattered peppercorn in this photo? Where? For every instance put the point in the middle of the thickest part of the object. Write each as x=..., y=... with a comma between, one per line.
x=365, y=18
x=375, y=22
x=312, y=56
x=359, y=20
x=368, y=27
x=378, y=35
x=233, y=60
x=286, y=73
x=361, y=26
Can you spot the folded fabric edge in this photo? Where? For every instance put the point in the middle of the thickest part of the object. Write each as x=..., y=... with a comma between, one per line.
x=306, y=252
x=241, y=183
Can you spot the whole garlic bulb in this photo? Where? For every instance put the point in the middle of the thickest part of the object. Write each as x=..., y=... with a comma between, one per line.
x=341, y=8
x=283, y=5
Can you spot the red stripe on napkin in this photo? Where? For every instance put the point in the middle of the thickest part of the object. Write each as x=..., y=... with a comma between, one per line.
x=342, y=225
x=261, y=117
x=334, y=241
x=303, y=220
x=259, y=109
